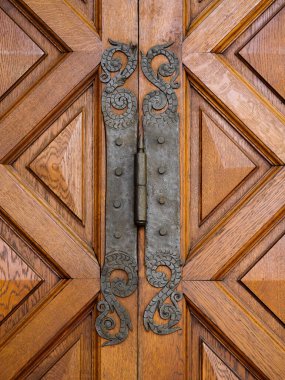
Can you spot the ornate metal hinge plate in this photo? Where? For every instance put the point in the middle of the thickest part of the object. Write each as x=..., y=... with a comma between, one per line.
x=161, y=131
x=119, y=107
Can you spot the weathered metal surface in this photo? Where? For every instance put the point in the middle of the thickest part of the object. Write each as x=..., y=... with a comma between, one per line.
x=140, y=184
x=161, y=132
x=119, y=107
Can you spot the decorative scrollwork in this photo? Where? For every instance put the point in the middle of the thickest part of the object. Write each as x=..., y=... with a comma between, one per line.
x=110, y=289
x=121, y=253
x=160, y=114
x=114, y=97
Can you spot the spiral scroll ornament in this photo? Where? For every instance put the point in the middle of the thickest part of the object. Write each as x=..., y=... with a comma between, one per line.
x=119, y=108
x=160, y=115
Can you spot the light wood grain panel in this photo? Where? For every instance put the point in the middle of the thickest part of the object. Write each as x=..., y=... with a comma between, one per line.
x=17, y=51
x=17, y=279
x=70, y=356
x=226, y=362
x=221, y=24
x=55, y=316
x=225, y=245
x=31, y=216
x=60, y=165
x=267, y=279
x=264, y=350
x=52, y=53
x=213, y=368
x=259, y=117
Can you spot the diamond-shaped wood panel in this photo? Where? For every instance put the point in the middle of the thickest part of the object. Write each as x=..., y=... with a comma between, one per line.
x=17, y=279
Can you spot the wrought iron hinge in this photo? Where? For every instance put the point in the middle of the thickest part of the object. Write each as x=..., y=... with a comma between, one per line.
x=140, y=184
x=141, y=192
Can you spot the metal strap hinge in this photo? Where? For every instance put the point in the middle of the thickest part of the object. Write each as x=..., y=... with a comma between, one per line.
x=140, y=184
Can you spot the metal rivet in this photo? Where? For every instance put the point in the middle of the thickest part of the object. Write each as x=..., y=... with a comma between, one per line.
x=163, y=231
x=161, y=140
x=117, y=204
x=161, y=200
x=161, y=170
x=119, y=141
x=117, y=235
x=118, y=172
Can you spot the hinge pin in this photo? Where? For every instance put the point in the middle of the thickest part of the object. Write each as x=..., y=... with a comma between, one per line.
x=140, y=184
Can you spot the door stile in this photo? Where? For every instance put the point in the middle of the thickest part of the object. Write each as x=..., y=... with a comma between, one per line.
x=120, y=24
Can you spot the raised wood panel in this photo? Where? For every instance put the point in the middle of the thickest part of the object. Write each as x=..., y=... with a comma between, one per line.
x=197, y=10
x=62, y=165
x=266, y=314
x=208, y=151
x=264, y=351
x=24, y=262
x=213, y=368
x=21, y=350
x=17, y=279
x=222, y=162
x=209, y=358
x=266, y=279
x=70, y=357
x=18, y=53
x=28, y=52
x=256, y=52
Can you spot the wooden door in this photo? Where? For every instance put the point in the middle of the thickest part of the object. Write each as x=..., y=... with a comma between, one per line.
x=53, y=189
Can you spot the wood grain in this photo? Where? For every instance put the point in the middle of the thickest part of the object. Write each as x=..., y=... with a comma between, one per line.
x=264, y=53
x=262, y=349
x=266, y=279
x=249, y=221
x=18, y=53
x=213, y=368
x=59, y=245
x=55, y=316
x=259, y=117
x=17, y=279
x=222, y=162
x=230, y=16
x=60, y=165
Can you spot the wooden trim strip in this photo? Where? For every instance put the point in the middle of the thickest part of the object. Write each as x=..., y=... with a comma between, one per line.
x=48, y=323
x=227, y=243
x=261, y=118
x=252, y=340
x=32, y=217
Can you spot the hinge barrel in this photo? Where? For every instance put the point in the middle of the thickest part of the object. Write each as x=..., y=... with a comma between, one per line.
x=140, y=185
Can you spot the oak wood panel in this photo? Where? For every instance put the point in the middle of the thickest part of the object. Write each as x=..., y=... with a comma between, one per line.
x=54, y=363
x=55, y=316
x=60, y=165
x=86, y=228
x=263, y=349
x=18, y=53
x=86, y=48
x=233, y=56
x=251, y=219
x=257, y=116
x=229, y=15
x=233, y=280
x=58, y=244
x=193, y=208
x=17, y=279
x=266, y=279
x=225, y=360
